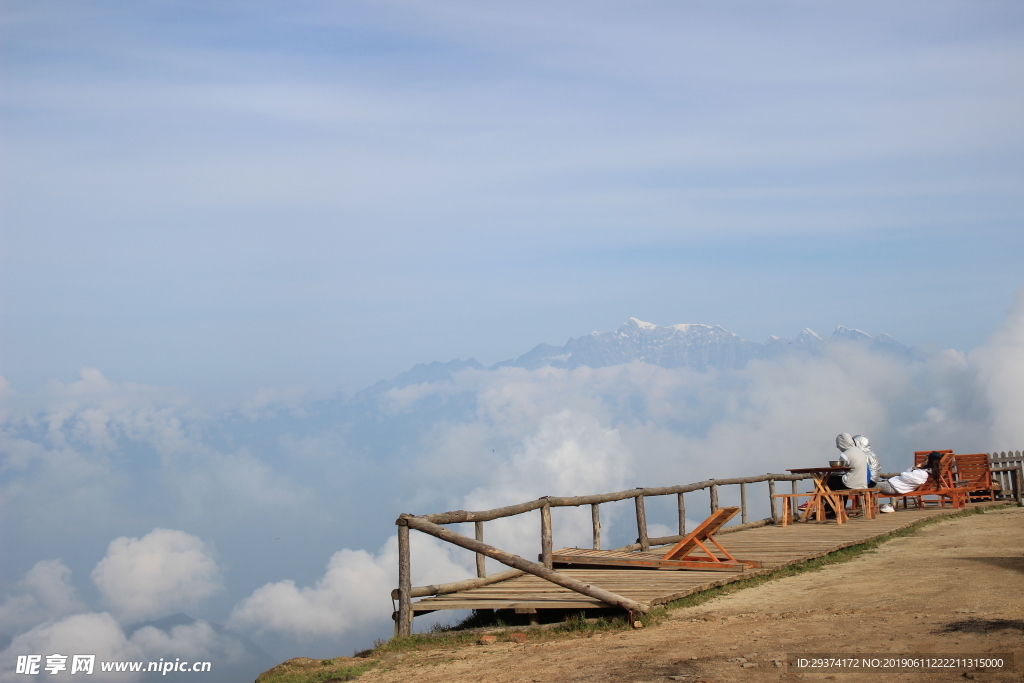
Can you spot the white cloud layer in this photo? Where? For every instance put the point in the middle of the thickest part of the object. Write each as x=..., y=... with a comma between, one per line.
x=164, y=571
x=1001, y=369
x=198, y=641
x=101, y=635
x=45, y=593
x=354, y=592
x=569, y=454
x=93, y=633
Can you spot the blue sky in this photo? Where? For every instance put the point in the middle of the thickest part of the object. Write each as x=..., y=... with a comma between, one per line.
x=225, y=195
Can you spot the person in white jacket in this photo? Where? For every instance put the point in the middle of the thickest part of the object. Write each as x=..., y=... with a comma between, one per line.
x=914, y=478
x=874, y=468
x=857, y=460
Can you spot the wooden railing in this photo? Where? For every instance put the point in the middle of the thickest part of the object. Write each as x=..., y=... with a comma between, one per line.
x=1008, y=470
x=432, y=525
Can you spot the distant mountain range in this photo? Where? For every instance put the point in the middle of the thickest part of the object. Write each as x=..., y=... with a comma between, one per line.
x=700, y=347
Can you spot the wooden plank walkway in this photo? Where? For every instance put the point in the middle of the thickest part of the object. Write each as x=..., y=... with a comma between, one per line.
x=773, y=546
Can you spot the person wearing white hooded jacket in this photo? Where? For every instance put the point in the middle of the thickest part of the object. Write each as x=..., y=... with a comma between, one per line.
x=874, y=468
x=857, y=460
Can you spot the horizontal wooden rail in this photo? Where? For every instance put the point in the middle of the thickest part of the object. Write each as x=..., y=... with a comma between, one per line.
x=421, y=524
x=457, y=516
x=456, y=586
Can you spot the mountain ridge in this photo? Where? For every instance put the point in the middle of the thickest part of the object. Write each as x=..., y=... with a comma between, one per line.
x=694, y=345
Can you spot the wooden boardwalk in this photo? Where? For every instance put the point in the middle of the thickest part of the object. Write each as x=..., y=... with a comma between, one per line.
x=773, y=546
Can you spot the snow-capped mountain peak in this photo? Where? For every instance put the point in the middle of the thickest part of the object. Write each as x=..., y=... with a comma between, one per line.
x=692, y=345
x=636, y=322
x=851, y=334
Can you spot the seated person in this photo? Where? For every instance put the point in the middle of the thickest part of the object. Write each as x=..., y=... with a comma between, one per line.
x=913, y=478
x=874, y=468
x=857, y=460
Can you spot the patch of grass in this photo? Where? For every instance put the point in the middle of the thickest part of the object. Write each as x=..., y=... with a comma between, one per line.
x=304, y=670
x=578, y=623
x=422, y=641
x=478, y=618
x=575, y=623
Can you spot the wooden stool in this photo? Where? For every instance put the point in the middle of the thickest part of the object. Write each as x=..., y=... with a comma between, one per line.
x=862, y=499
x=787, y=506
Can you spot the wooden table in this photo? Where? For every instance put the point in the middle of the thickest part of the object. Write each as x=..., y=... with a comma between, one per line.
x=822, y=494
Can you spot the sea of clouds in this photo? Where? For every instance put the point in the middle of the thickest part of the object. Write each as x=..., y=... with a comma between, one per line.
x=270, y=523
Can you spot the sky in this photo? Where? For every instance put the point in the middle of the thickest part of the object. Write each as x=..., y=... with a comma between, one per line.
x=222, y=220
x=230, y=195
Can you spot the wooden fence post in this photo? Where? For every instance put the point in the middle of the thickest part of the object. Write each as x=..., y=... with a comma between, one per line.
x=403, y=626
x=595, y=518
x=1020, y=485
x=681, y=504
x=743, y=502
x=545, y=537
x=481, y=567
x=771, y=498
x=714, y=498
x=641, y=524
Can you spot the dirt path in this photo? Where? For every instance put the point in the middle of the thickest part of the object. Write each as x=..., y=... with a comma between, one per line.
x=953, y=587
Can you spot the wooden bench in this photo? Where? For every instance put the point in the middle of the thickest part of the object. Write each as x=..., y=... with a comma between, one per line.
x=864, y=500
x=974, y=473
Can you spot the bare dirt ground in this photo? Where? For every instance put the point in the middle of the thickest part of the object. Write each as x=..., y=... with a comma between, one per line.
x=953, y=587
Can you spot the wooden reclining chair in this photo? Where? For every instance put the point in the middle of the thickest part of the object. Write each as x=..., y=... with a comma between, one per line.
x=920, y=457
x=679, y=556
x=945, y=489
x=974, y=474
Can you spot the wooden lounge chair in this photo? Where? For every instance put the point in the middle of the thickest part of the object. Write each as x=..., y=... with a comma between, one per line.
x=921, y=456
x=679, y=556
x=944, y=490
x=973, y=473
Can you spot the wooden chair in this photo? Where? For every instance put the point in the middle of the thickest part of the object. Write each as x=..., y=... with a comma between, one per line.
x=974, y=473
x=944, y=490
x=679, y=556
x=921, y=457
